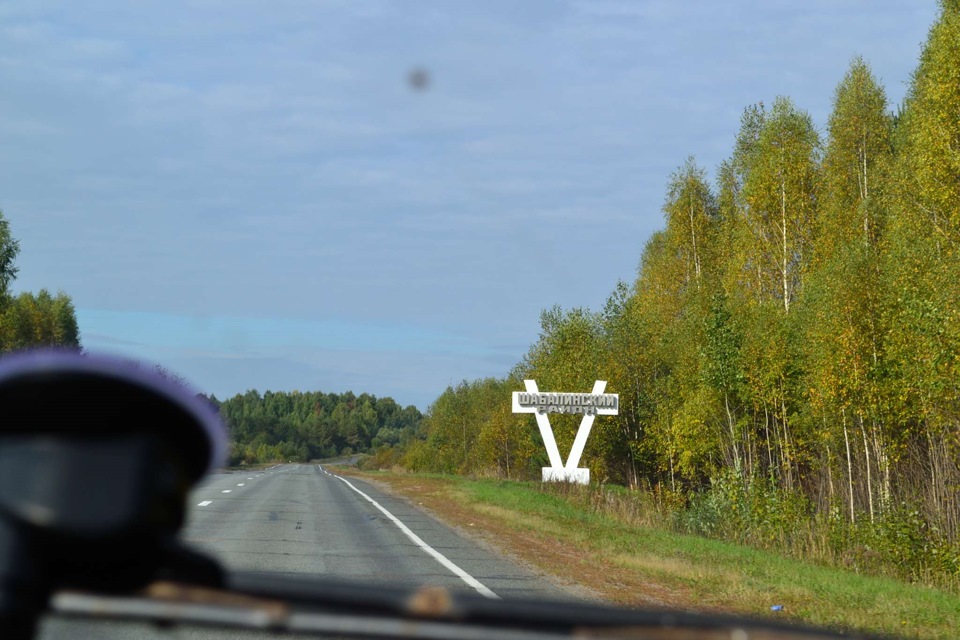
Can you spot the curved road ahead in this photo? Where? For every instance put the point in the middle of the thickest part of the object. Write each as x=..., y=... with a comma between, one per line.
x=300, y=519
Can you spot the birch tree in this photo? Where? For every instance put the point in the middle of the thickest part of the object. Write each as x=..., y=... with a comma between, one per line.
x=843, y=322
x=924, y=265
x=780, y=198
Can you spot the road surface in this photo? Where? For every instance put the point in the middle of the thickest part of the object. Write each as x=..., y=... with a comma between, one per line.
x=302, y=520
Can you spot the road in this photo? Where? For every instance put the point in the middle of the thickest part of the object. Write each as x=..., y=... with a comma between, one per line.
x=300, y=519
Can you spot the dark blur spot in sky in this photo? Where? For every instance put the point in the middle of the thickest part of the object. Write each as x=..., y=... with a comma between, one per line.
x=419, y=79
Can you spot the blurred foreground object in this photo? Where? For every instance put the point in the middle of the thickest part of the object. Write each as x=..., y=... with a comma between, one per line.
x=96, y=460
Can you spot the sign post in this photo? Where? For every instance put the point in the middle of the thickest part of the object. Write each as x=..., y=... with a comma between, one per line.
x=590, y=405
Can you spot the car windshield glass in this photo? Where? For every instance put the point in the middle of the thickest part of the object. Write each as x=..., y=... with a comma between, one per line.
x=634, y=302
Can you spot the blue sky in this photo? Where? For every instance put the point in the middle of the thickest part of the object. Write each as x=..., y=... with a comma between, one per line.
x=252, y=194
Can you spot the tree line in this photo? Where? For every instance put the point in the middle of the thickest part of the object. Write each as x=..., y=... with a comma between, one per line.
x=792, y=335
x=27, y=319
x=301, y=426
x=263, y=428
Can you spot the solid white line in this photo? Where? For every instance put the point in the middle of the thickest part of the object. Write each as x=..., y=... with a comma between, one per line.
x=439, y=557
x=205, y=503
x=226, y=491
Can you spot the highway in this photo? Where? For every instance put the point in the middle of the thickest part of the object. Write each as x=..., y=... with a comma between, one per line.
x=298, y=519
x=303, y=520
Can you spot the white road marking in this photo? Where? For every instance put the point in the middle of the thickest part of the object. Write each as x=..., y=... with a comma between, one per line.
x=249, y=478
x=205, y=503
x=240, y=485
x=439, y=557
x=226, y=491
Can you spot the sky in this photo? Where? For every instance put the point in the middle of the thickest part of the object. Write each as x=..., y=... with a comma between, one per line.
x=256, y=196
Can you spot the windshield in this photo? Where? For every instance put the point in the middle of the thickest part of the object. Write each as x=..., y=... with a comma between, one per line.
x=399, y=246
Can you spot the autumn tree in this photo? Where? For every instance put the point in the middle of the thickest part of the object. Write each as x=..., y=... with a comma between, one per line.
x=856, y=163
x=40, y=320
x=843, y=324
x=779, y=194
x=923, y=263
x=9, y=248
x=794, y=339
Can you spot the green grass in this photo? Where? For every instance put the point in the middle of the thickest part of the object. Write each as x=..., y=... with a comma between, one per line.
x=713, y=574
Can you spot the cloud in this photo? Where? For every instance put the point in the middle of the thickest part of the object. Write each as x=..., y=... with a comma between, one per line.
x=242, y=160
x=227, y=355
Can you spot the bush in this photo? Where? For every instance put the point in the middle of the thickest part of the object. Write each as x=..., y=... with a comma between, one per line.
x=899, y=542
x=385, y=457
x=752, y=511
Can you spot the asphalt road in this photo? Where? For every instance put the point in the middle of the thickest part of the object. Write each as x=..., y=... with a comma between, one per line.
x=300, y=520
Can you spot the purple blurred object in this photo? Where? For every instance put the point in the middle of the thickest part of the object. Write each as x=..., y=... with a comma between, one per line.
x=25, y=369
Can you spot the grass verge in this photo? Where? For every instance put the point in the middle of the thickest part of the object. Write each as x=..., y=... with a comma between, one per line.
x=645, y=566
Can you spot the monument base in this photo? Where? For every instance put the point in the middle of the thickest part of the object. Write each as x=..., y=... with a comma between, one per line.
x=576, y=476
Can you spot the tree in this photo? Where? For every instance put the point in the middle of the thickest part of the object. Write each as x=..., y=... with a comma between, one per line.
x=505, y=442
x=39, y=320
x=931, y=129
x=9, y=248
x=857, y=161
x=29, y=320
x=843, y=321
x=722, y=371
x=767, y=209
x=923, y=266
x=689, y=209
x=780, y=198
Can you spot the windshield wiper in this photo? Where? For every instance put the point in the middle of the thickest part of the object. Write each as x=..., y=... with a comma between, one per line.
x=356, y=610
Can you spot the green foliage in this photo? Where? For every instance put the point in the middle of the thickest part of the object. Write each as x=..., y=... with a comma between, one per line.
x=470, y=429
x=29, y=320
x=690, y=210
x=857, y=162
x=39, y=320
x=902, y=542
x=758, y=512
x=281, y=426
x=779, y=197
x=788, y=355
x=930, y=157
x=9, y=248
x=631, y=539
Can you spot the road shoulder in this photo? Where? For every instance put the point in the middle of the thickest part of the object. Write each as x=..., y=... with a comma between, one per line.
x=473, y=526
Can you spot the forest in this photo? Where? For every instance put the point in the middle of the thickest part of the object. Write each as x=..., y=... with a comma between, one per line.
x=787, y=357
x=27, y=319
x=296, y=426
x=263, y=428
